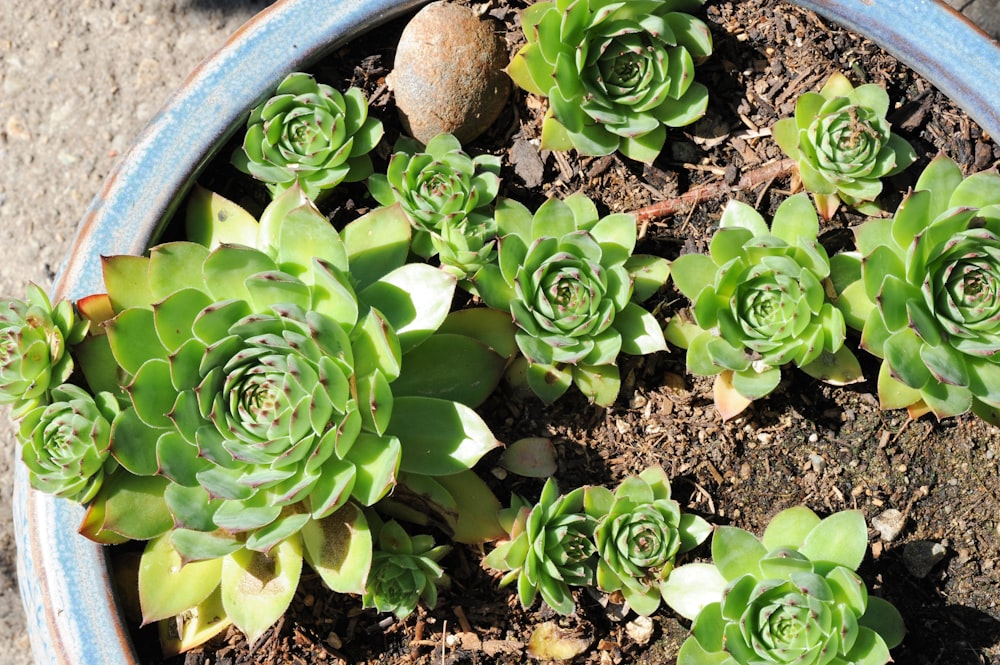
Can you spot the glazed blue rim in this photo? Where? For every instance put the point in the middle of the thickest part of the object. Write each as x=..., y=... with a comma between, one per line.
x=72, y=615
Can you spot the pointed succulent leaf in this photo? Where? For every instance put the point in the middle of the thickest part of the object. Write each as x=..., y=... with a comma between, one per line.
x=133, y=506
x=339, y=548
x=257, y=588
x=430, y=371
x=376, y=244
x=376, y=461
x=127, y=280
x=736, y=552
x=211, y=220
x=692, y=587
x=415, y=299
x=167, y=586
x=840, y=539
x=439, y=437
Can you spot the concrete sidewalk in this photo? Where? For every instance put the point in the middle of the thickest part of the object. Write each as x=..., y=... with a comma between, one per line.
x=77, y=82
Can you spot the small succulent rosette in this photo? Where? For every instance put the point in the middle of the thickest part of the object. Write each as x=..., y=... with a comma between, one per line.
x=616, y=74
x=65, y=443
x=924, y=290
x=404, y=570
x=35, y=339
x=573, y=286
x=447, y=196
x=639, y=535
x=843, y=145
x=759, y=302
x=792, y=596
x=309, y=134
x=550, y=547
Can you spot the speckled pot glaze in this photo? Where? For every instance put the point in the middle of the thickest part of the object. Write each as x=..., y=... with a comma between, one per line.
x=72, y=615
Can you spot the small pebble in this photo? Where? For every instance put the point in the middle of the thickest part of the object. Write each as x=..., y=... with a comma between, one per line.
x=921, y=556
x=889, y=523
x=640, y=630
x=818, y=463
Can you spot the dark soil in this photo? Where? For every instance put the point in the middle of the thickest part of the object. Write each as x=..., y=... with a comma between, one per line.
x=829, y=448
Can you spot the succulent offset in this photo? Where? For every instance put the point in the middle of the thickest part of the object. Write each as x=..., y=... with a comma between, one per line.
x=404, y=571
x=550, y=548
x=569, y=278
x=447, y=196
x=639, y=534
x=924, y=289
x=616, y=74
x=309, y=134
x=34, y=342
x=65, y=444
x=759, y=303
x=792, y=596
x=843, y=144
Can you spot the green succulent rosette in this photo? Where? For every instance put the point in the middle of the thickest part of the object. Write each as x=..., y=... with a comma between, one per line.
x=791, y=597
x=447, y=196
x=616, y=74
x=843, y=144
x=572, y=284
x=65, y=443
x=924, y=289
x=260, y=380
x=35, y=338
x=759, y=302
x=404, y=571
x=309, y=134
x=550, y=548
x=639, y=535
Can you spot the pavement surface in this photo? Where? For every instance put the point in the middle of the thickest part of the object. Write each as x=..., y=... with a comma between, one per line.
x=78, y=80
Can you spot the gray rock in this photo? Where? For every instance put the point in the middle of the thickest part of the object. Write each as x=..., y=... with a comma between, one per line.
x=921, y=556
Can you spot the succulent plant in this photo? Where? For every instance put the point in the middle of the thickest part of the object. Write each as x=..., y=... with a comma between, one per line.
x=570, y=280
x=759, y=302
x=792, y=596
x=309, y=134
x=639, y=534
x=259, y=378
x=923, y=289
x=34, y=348
x=404, y=571
x=843, y=144
x=64, y=444
x=446, y=194
x=550, y=547
x=616, y=74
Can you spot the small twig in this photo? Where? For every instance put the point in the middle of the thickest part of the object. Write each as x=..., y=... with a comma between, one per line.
x=759, y=176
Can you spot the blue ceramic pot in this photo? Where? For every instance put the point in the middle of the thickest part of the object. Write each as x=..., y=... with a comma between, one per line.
x=72, y=614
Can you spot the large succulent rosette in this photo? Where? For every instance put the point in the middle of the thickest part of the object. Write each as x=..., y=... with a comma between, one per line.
x=924, y=289
x=842, y=142
x=616, y=74
x=790, y=597
x=64, y=444
x=759, y=303
x=447, y=196
x=260, y=380
x=34, y=348
x=569, y=279
x=309, y=134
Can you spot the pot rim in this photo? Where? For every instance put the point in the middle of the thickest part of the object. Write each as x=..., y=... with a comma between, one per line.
x=72, y=615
